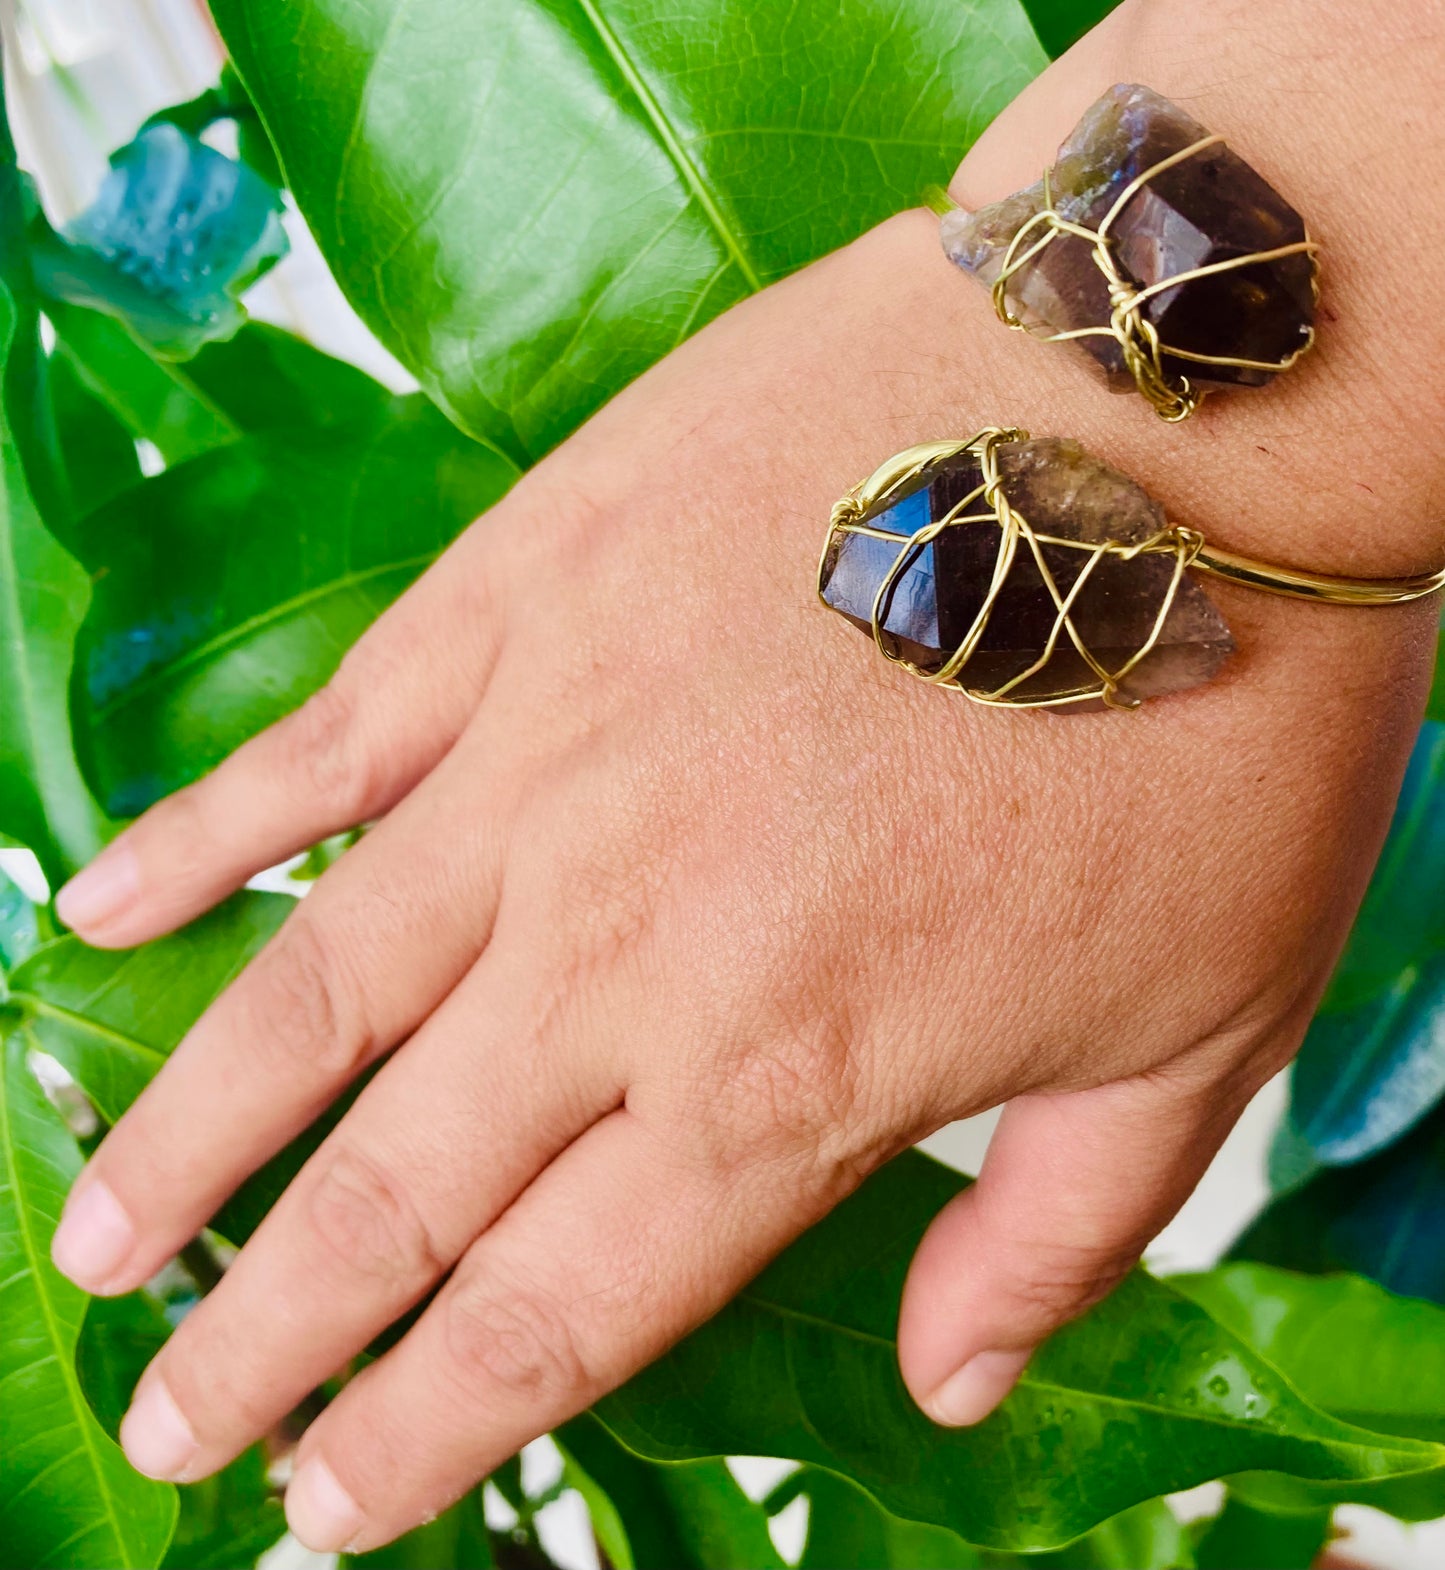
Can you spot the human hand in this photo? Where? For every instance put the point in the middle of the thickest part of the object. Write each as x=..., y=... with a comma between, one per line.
x=687, y=911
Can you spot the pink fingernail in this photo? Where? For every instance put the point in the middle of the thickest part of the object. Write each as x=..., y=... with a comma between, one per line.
x=970, y=1393
x=155, y=1435
x=320, y=1511
x=100, y=891
x=94, y=1238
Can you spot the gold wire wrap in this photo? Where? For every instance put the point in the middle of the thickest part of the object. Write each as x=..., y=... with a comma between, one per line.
x=1186, y=546
x=1136, y=335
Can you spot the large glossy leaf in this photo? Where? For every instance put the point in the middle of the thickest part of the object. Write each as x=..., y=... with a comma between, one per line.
x=457, y=1540
x=1146, y=1394
x=229, y=587
x=532, y=201
x=68, y=1498
x=664, y=1516
x=175, y=235
x=1354, y=1349
x=1384, y=1218
x=44, y=802
x=1373, y=1062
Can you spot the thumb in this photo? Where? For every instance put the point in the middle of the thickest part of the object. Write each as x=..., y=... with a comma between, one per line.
x=1073, y=1187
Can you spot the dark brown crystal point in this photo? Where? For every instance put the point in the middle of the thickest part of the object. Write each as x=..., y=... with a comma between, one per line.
x=1209, y=207
x=1061, y=490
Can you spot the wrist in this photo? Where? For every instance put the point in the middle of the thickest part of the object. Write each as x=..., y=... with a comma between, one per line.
x=1332, y=468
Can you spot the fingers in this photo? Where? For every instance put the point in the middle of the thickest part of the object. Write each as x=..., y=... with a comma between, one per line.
x=383, y=937
x=616, y=1251
x=1073, y=1188
x=396, y=704
x=434, y=1149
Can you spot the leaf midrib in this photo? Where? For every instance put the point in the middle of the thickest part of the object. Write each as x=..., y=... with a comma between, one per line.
x=835, y=1327
x=67, y=1368
x=83, y=1022
x=672, y=143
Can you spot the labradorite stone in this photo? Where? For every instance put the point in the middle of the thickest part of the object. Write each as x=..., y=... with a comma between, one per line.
x=1062, y=490
x=1209, y=207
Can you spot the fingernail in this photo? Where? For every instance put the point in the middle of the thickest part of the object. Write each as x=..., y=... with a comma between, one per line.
x=155, y=1435
x=319, y=1510
x=100, y=891
x=94, y=1237
x=973, y=1391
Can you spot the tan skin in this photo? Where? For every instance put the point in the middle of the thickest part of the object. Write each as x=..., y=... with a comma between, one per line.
x=685, y=911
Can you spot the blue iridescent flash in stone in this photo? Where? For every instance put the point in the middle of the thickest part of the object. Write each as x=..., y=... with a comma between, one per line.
x=942, y=586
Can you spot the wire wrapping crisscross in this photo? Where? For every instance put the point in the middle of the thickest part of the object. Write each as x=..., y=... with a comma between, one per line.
x=1016, y=535
x=1172, y=399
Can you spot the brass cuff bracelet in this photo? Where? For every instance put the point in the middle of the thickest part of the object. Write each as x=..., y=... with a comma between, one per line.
x=1030, y=574
x=1154, y=248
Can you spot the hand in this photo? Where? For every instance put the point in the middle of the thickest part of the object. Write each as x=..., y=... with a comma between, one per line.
x=684, y=911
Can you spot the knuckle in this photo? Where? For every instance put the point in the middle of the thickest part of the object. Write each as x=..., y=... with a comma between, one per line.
x=1064, y=1280
x=364, y=1217
x=320, y=751
x=179, y=830
x=294, y=999
x=521, y=1342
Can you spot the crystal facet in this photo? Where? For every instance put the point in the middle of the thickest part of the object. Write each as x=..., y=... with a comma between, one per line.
x=1060, y=490
x=1207, y=208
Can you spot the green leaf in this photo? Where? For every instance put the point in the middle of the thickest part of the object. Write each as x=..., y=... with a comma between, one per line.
x=1143, y=1396
x=1384, y=1218
x=1061, y=23
x=229, y=587
x=263, y=379
x=19, y=928
x=154, y=400
x=577, y=188
x=1248, y=1536
x=94, y=452
x=1354, y=1350
x=227, y=100
x=226, y=1521
x=111, y=1018
x=118, y=1339
x=266, y=379
x=68, y=1497
x=44, y=801
x=1147, y=1537
x=849, y=1530
x=176, y=234
x=457, y=1540
x=664, y=1516
x=1435, y=705
x=1373, y=1062
x=229, y=1520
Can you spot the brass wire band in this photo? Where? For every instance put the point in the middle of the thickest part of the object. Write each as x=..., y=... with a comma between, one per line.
x=1187, y=546
x=1137, y=337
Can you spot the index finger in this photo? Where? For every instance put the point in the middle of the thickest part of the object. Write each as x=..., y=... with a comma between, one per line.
x=398, y=701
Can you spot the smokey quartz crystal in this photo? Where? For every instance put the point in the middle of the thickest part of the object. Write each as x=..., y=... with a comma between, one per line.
x=1207, y=208
x=1061, y=490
